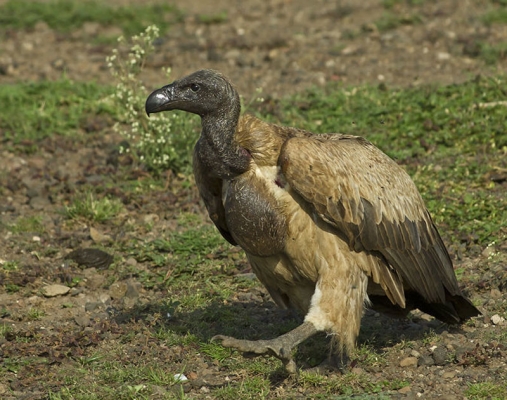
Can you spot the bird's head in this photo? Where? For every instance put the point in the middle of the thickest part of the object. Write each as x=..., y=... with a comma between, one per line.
x=204, y=92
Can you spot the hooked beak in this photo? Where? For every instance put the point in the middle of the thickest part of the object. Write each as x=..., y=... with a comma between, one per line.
x=160, y=100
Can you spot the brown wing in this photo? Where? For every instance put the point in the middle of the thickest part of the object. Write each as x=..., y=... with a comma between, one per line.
x=210, y=189
x=374, y=204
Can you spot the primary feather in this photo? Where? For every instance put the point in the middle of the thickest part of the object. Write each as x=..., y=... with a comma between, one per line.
x=328, y=222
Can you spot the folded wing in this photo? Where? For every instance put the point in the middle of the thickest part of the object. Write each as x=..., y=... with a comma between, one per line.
x=376, y=207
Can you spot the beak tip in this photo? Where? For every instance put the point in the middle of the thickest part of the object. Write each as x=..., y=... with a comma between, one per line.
x=157, y=101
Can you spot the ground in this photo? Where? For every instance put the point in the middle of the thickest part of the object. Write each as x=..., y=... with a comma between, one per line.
x=125, y=314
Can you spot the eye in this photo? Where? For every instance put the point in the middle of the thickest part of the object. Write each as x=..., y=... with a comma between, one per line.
x=194, y=87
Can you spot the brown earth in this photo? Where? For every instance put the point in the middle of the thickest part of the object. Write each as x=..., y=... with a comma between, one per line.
x=283, y=47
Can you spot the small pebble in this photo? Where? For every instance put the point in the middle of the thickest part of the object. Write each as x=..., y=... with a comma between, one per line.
x=55, y=290
x=408, y=362
x=180, y=378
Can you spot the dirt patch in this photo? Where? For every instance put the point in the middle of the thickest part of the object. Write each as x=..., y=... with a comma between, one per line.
x=283, y=47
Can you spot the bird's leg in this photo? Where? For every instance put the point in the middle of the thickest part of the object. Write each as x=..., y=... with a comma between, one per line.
x=280, y=347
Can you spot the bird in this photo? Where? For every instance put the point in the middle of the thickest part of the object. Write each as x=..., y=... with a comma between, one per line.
x=329, y=223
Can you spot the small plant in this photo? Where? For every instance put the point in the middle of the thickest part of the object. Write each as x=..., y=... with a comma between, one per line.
x=160, y=143
x=11, y=288
x=486, y=390
x=92, y=209
x=9, y=266
x=34, y=314
x=216, y=351
x=28, y=224
x=210, y=19
x=4, y=330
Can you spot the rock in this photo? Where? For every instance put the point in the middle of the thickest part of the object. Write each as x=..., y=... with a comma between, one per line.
x=39, y=202
x=34, y=300
x=440, y=355
x=104, y=298
x=425, y=360
x=75, y=291
x=442, y=56
x=82, y=320
x=408, y=362
x=180, y=378
x=93, y=305
x=415, y=353
x=132, y=291
x=55, y=290
x=489, y=251
x=405, y=390
x=497, y=319
x=131, y=261
x=99, y=237
x=90, y=258
x=449, y=374
x=117, y=290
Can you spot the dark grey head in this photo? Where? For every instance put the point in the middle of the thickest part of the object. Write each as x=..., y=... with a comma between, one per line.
x=204, y=92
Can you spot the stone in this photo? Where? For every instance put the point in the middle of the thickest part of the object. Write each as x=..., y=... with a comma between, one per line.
x=449, y=374
x=132, y=291
x=440, y=355
x=82, y=320
x=117, y=290
x=405, y=390
x=497, y=319
x=55, y=290
x=425, y=360
x=415, y=353
x=408, y=362
x=93, y=305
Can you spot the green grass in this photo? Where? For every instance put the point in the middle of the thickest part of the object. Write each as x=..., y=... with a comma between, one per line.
x=390, y=21
x=486, y=390
x=32, y=224
x=66, y=15
x=451, y=138
x=210, y=19
x=34, y=111
x=88, y=207
x=35, y=314
x=495, y=16
x=493, y=53
x=9, y=266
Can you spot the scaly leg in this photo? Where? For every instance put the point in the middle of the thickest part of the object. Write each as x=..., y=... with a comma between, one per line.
x=280, y=347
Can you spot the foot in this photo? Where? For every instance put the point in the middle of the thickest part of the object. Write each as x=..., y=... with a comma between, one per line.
x=280, y=347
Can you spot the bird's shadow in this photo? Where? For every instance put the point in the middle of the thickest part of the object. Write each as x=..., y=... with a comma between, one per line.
x=255, y=320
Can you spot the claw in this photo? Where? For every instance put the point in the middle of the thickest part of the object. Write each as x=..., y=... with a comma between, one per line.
x=274, y=347
x=280, y=347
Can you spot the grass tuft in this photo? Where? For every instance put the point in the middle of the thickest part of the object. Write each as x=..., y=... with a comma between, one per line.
x=89, y=208
x=486, y=390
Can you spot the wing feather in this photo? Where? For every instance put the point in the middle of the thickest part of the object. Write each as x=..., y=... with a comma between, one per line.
x=375, y=204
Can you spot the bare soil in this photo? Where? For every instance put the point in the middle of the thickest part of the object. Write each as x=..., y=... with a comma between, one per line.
x=283, y=47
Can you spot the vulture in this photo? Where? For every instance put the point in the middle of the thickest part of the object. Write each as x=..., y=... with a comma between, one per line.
x=329, y=223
